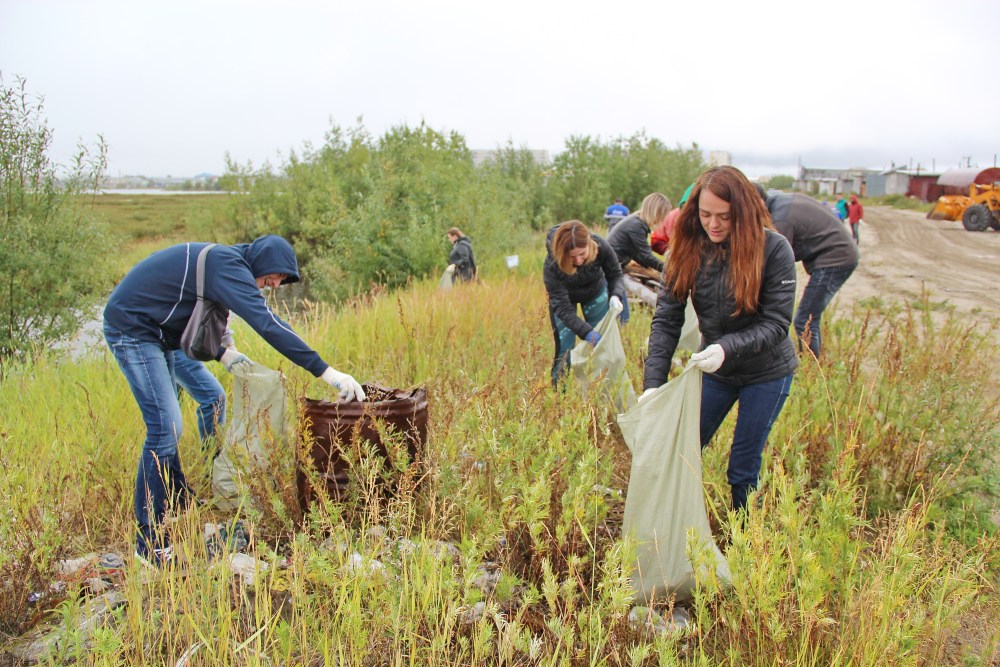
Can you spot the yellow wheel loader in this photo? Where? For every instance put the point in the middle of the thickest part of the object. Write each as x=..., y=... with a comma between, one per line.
x=979, y=211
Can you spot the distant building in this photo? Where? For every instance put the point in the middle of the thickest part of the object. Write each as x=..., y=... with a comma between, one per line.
x=823, y=181
x=719, y=158
x=481, y=156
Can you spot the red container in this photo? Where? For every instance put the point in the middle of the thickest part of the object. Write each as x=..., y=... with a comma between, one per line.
x=333, y=426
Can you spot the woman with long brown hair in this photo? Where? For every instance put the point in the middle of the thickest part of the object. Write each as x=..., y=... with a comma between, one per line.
x=582, y=270
x=740, y=275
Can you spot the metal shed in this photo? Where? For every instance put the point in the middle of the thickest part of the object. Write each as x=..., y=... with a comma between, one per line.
x=957, y=181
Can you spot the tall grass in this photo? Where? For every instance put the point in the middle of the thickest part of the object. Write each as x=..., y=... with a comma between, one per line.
x=869, y=542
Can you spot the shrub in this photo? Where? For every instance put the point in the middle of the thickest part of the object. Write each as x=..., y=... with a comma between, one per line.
x=53, y=256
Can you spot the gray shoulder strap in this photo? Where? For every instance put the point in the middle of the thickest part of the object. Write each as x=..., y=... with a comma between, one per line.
x=200, y=270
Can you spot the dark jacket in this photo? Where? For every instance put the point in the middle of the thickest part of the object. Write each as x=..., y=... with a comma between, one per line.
x=463, y=259
x=757, y=345
x=154, y=301
x=566, y=291
x=630, y=240
x=818, y=239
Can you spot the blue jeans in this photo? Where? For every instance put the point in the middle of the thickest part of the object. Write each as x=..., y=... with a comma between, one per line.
x=820, y=290
x=159, y=481
x=194, y=378
x=593, y=312
x=760, y=405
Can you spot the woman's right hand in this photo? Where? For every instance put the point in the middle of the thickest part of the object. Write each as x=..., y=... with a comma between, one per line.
x=593, y=338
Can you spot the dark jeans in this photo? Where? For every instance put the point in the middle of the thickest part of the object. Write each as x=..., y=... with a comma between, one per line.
x=194, y=378
x=760, y=405
x=593, y=312
x=159, y=481
x=820, y=290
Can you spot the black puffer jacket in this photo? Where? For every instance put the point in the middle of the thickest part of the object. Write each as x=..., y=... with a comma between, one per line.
x=463, y=259
x=757, y=345
x=630, y=240
x=566, y=291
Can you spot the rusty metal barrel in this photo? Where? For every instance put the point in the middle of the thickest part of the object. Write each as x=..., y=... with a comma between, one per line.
x=333, y=426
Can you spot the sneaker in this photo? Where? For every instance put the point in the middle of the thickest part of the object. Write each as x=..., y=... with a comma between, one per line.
x=158, y=559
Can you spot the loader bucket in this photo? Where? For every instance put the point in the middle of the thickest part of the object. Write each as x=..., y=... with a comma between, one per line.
x=949, y=207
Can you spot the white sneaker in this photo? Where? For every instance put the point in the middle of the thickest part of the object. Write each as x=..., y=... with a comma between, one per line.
x=161, y=558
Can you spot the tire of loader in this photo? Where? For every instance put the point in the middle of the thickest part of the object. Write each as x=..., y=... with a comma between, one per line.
x=995, y=223
x=977, y=218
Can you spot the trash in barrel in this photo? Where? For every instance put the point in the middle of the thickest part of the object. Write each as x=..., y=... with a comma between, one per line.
x=333, y=424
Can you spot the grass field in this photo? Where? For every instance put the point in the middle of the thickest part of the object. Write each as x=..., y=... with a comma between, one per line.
x=869, y=543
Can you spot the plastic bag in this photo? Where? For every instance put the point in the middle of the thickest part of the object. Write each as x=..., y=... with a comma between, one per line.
x=604, y=364
x=665, y=496
x=690, y=339
x=447, y=280
x=258, y=423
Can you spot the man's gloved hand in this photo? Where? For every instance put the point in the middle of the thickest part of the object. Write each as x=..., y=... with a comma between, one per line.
x=646, y=393
x=231, y=357
x=593, y=338
x=348, y=387
x=710, y=359
x=615, y=304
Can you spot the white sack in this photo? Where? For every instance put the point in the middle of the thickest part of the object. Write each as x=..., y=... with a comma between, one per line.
x=258, y=422
x=604, y=364
x=665, y=496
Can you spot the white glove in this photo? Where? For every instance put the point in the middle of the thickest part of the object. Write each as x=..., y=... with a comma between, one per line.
x=348, y=387
x=616, y=304
x=647, y=393
x=451, y=268
x=710, y=359
x=231, y=357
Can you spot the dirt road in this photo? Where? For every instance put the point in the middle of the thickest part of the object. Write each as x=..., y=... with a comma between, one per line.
x=904, y=254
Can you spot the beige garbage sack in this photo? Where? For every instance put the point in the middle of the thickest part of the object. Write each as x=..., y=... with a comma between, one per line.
x=665, y=496
x=604, y=364
x=447, y=280
x=258, y=423
x=690, y=339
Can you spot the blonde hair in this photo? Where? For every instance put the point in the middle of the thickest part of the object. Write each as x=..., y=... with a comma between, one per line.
x=655, y=208
x=572, y=235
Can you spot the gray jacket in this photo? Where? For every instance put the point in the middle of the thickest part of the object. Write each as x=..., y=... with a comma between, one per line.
x=818, y=239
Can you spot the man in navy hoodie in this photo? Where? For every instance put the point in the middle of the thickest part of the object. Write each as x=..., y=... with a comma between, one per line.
x=143, y=322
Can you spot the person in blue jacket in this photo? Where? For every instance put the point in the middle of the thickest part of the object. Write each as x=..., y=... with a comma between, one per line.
x=615, y=214
x=143, y=322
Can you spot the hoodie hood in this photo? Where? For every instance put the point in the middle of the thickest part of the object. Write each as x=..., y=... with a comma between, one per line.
x=271, y=254
x=854, y=199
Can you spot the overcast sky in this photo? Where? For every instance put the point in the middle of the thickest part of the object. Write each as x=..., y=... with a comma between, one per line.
x=174, y=86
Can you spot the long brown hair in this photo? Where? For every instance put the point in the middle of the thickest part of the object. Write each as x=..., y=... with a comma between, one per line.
x=690, y=244
x=571, y=235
